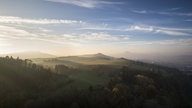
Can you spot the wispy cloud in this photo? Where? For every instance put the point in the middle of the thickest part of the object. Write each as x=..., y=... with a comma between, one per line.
x=174, y=33
x=140, y=28
x=175, y=29
x=174, y=42
x=8, y=32
x=168, y=13
x=11, y=32
x=161, y=30
x=140, y=11
x=94, y=36
x=176, y=8
x=189, y=20
x=180, y=42
x=84, y=26
x=145, y=28
x=86, y=3
x=174, y=14
x=100, y=28
x=19, y=20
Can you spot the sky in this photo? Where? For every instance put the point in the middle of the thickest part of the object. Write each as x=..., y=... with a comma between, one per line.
x=71, y=27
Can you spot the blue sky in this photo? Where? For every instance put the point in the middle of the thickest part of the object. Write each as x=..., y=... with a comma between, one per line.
x=68, y=27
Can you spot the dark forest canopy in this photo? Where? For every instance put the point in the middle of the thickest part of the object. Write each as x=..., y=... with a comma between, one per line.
x=24, y=84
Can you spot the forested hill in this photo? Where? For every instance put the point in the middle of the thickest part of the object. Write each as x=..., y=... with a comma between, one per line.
x=22, y=81
x=24, y=84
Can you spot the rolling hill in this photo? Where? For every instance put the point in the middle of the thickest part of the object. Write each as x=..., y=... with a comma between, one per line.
x=91, y=59
x=29, y=55
x=93, y=81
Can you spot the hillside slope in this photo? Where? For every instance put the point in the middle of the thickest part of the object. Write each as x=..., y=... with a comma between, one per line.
x=24, y=84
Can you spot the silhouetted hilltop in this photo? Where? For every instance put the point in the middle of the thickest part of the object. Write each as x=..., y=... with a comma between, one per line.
x=98, y=56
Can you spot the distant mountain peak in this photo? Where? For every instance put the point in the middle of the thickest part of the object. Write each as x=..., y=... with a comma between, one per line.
x=100, y=54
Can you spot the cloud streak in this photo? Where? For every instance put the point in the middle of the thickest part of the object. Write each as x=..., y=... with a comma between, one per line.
x=11, y=32
x=19, y=20
x=97, y=36
x=168, y=13
x=180, y=42
x=174, y=42
x=174, y=33
x=86, y=3
x=189, y=20
x=146, y=29
x=175, y=14
x=161, y=30
x=7, y=32
x=140, y=28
